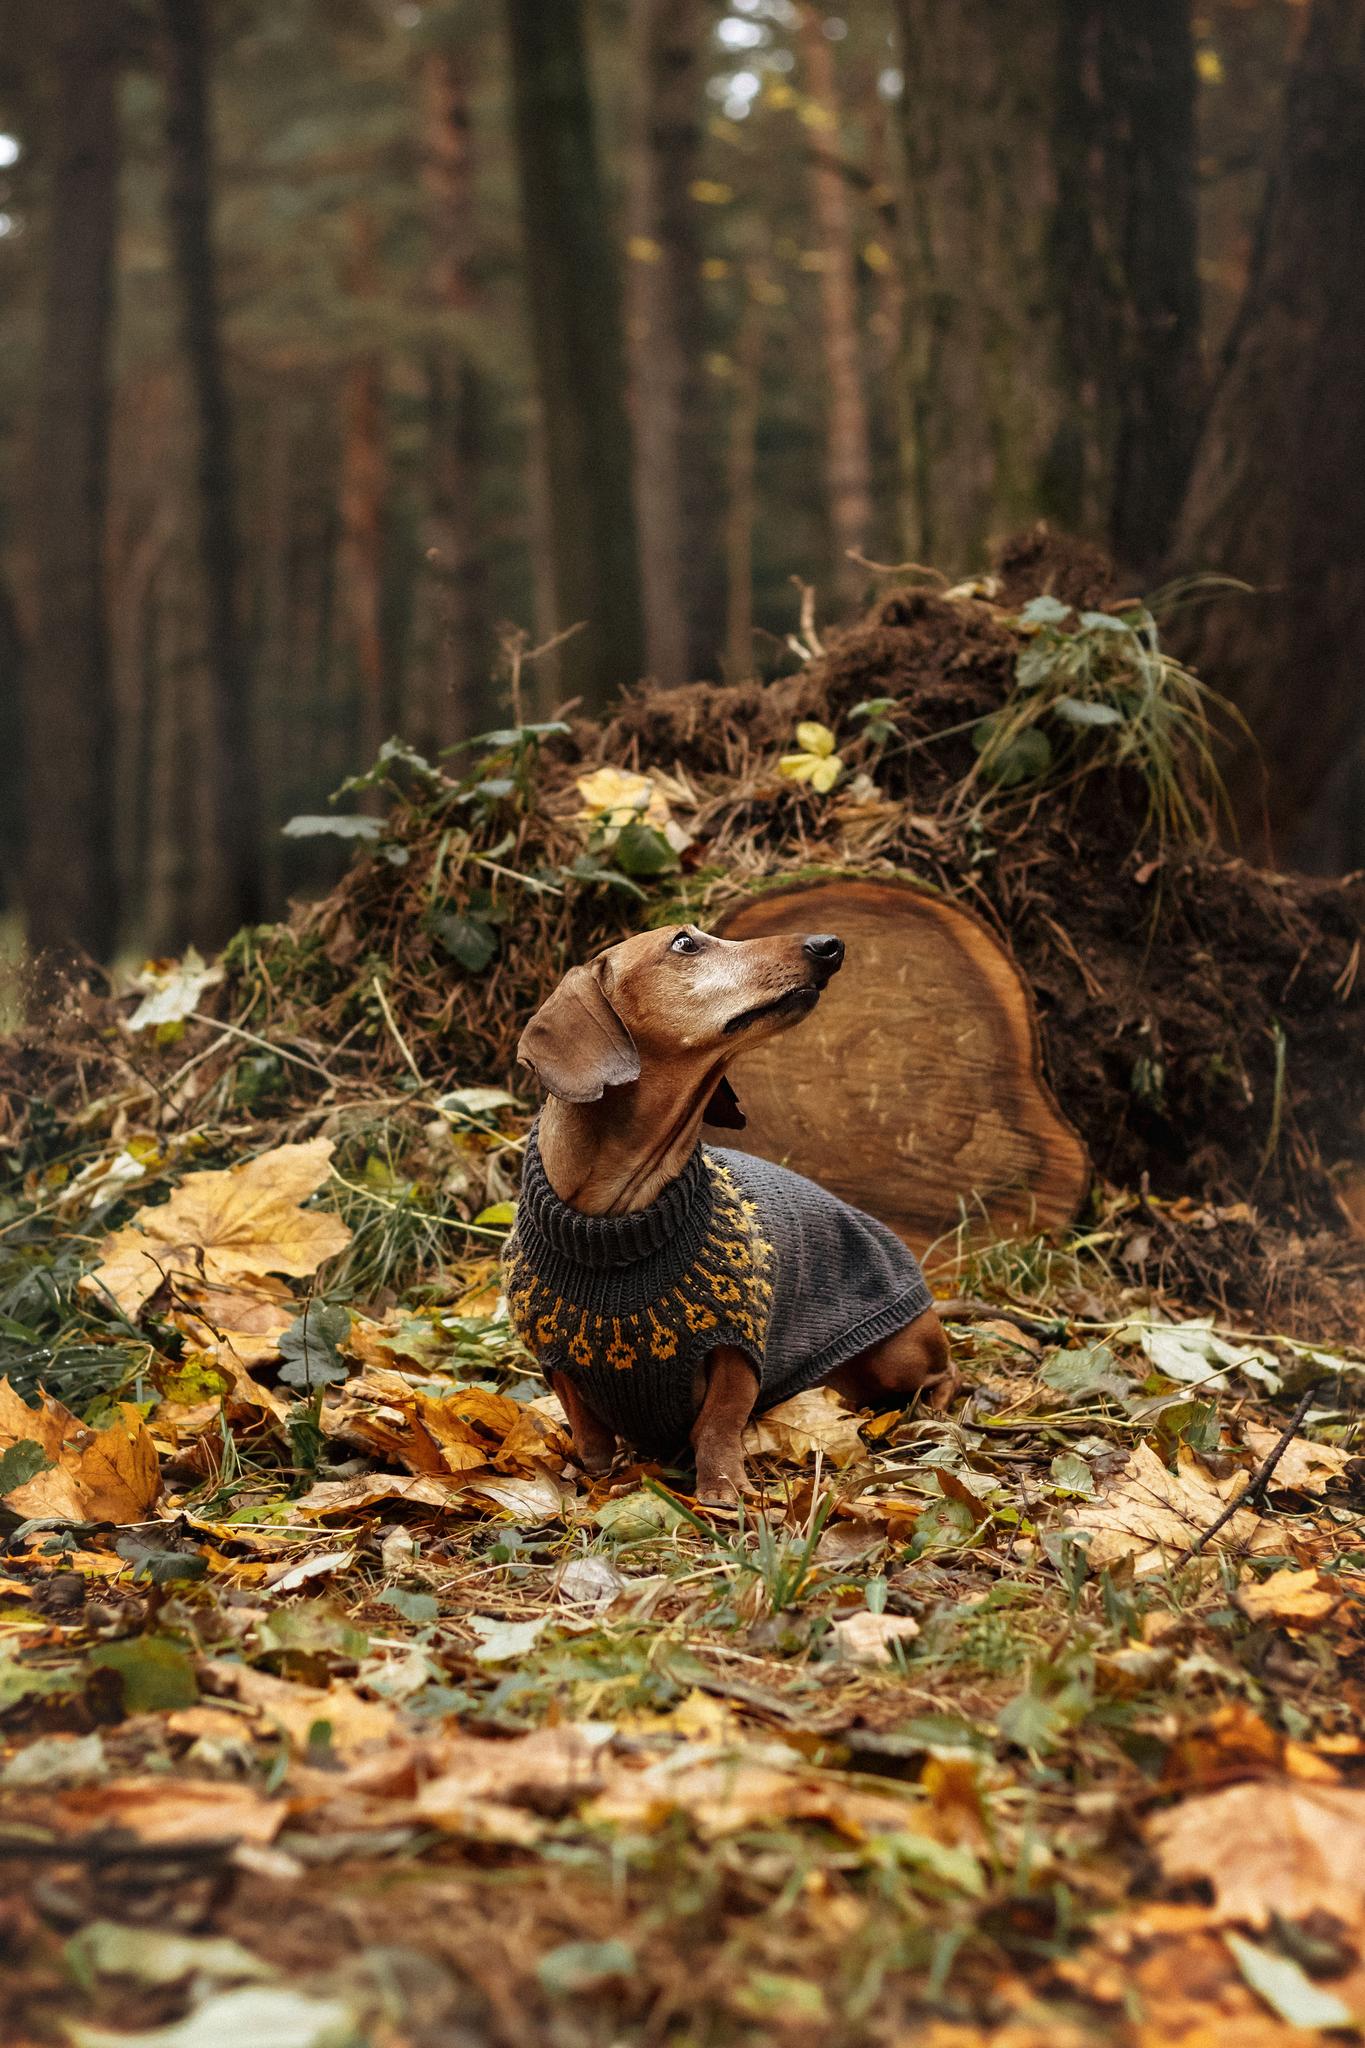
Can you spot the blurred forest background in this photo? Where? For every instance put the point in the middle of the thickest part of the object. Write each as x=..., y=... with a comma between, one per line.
x=347, y=346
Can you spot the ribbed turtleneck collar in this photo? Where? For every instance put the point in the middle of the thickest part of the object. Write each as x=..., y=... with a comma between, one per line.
x=599, y=1241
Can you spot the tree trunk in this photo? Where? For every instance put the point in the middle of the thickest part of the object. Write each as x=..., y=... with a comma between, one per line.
x=741, y=496
x=229, y=891
x=576, y=334
x=361, y=544
x=677, y=486
x=455, y=645
x=848, y=460
x=1052, y=346
x=69, y=872
x=941, y=1107
x=1277, y=495
x=1124, y=255
x=989, y=450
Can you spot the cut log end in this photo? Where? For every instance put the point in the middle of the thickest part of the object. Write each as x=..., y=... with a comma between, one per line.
x=916, y=1090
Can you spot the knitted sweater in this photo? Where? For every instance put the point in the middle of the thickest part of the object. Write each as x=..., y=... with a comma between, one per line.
x=734, y=1251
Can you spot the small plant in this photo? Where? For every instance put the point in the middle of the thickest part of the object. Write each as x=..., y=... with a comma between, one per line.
x=1098, y=689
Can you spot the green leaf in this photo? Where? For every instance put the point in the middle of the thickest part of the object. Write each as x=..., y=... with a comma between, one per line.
x=1030, y=1721
x=1092, y=1370
x=345, y=825
x=640, y=850
x=156, y=1565
x=23, y=1461
x=635, y=1517
x=1045, y=611
x=1297, y=2000
x=1071, y=1473
x=1084, y=711
x=470, y=940
x=952, y=1865
x=156, y=1672
x=309, y=1627
x=1024, y=758
x=1104, y=622
x=151, y=1955
x=309, y=1347
x=497, y=1214
x=943, y=1526
x=577, y=1966
x=419, y=1608
x=20, y=1682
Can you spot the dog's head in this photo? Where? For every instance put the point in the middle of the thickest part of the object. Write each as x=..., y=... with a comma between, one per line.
x=677, y=996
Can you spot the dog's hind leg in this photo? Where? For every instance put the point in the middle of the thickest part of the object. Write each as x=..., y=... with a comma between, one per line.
x=717, y=1433
x=911, y=1361
x=594, y=1444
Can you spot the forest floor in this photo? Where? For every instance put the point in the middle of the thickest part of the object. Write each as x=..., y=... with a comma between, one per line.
x=337, y=1707
x=340, y=1708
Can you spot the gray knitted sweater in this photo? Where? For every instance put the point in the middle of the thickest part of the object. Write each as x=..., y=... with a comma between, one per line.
x=734, y=1251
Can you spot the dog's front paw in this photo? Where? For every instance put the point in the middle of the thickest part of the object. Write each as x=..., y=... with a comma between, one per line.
x=722, y=1482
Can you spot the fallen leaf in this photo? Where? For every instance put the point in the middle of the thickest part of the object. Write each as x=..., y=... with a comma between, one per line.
x=1303, y=1467
x=171, y=990
x=160, y=1809
x=265, y=2016
x=296, y=1710
x=154, y=1955
x=501, y=1641
x=1281, y=1848
x=1194, y=1353
x=93, y=1475
x=225, y=1228
x=814, y=1421
x=56, y=1760
x=869, y=1638
x=1297, y=1599
x=246, y=1320
x=1291, y=1995
x=286, y=1577
x=590, y=1582
x=1154, y=1515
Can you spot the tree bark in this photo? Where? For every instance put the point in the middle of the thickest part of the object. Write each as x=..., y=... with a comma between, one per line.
x=574, y=308
x=848, y=458
x=990, y=447
x=70, y=885
x=677, y=485
x=741, y=497
x=229, y=892
x=1125, y=263
x=361, y=544
x=456, y=642
x=1277, y=494
x=1052, y=321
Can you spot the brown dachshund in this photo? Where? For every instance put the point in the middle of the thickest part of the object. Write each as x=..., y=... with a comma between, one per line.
x=632, y=1050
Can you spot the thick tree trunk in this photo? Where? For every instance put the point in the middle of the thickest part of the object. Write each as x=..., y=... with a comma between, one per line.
x=1124, y=253
x=848, y=459
x=1052, y=317
x=70, y=885
x=455, y=645
x=987, y=413
x=741, y=494
x=229, y=892
x=576, y=332
x=677, y=485
x=1277, y=495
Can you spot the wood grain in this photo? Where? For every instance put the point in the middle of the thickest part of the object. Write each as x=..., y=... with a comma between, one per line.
x=916, y=1090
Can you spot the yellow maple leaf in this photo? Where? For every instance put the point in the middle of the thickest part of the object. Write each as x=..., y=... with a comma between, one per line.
x=93, y=1475
x=225, y=1228
x=816, y=762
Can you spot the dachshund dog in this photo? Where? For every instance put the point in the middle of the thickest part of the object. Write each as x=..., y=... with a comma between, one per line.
x=670, y=1290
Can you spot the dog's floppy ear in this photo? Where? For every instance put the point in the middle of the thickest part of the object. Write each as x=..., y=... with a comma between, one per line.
x=723, y=1109
x=576, y=1045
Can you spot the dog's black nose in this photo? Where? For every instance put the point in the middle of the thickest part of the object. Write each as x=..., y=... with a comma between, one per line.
x=825, y=953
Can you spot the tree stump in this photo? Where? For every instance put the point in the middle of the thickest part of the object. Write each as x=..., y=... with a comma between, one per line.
x=916, y=1090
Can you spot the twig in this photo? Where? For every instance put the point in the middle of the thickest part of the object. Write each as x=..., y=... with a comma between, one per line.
x=399, y=1039
x=1252, y=1494
x=966, y=1309
x=280, y=1051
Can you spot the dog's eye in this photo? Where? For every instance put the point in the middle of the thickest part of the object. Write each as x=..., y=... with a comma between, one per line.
x=684, y=943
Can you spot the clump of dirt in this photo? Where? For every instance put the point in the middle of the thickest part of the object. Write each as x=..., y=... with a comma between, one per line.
x=1041, y=563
